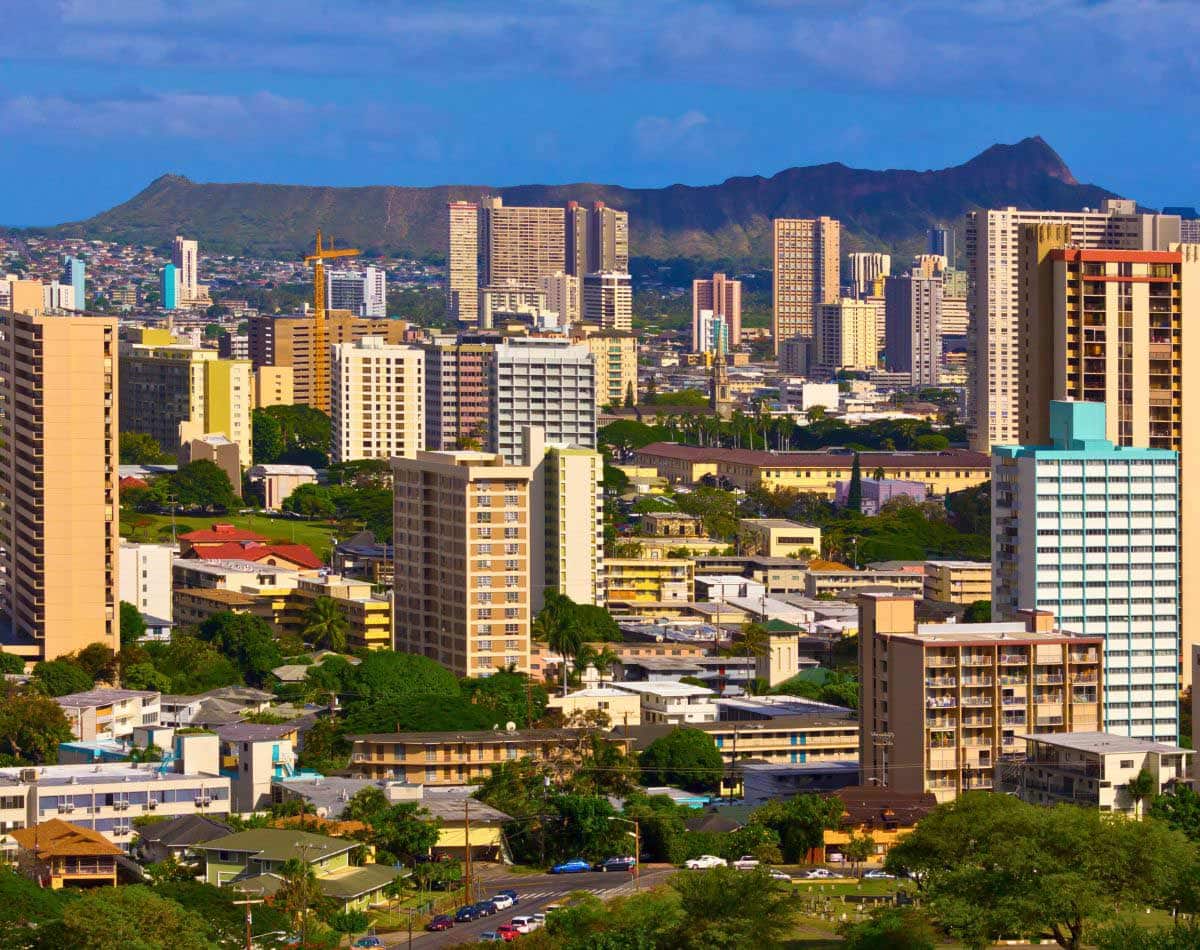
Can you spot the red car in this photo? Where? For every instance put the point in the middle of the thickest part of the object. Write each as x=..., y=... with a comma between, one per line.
x=440, y=922
x=508, y=932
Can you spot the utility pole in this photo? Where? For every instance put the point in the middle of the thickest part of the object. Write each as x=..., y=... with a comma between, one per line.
x=467, y=847
x=247, y=903
x=883, y=741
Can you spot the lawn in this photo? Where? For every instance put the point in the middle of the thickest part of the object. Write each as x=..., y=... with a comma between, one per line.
x=316, y=534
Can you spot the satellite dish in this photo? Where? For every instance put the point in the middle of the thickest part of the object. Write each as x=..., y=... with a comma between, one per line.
x=510, y=726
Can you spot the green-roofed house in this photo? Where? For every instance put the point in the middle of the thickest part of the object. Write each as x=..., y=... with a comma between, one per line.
x=251, y=861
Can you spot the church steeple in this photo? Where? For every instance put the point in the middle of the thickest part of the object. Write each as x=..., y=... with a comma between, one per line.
x=720, y=400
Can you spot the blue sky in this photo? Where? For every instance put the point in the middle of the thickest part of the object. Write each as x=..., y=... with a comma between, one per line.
x=98, y=97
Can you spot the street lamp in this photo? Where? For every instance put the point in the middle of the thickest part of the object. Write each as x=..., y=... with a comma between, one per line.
x=637, y=848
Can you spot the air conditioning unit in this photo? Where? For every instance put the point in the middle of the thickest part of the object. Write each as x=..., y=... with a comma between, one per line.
x=66, y=808
x=120, y=806
x=152, y=804
x=203, y=801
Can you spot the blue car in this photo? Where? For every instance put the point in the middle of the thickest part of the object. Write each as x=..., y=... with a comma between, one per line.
x=574, y=866
x=467, y=914
x=509, y=892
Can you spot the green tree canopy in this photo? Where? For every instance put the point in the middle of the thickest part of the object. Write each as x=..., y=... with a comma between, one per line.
x=800, y=822
x=201, y=484
x=685, y=757
x=138, y=448
x=978, y=611
x=133, y=627
x=62, y=676
x=11, y=663
x=266, y=438
x=31, y=724
x=325, y=625
x=246, y=640
x=133, y=917
x=305, y=431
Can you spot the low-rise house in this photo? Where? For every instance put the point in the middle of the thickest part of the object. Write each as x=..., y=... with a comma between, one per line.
x=59, y=854
x=275, y=483
x=620, y=706
x=1093, y=769
x=673, y=703
x=656, y=579
x=884, y=815
x=779, y=537
x=958, y=582
x=100, y=714
x=177, y=837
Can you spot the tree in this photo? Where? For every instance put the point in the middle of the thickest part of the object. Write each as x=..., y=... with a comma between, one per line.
x=325, y=625
x=61, y=677
x=138, y=448
x=246, y=640
x=31, y=724
x=128, y=918
x=800, y=822
x=629, y=396
x=978, y=611
x=1179, y=809
x=305, y=432
x=266, y=438
x=386, y=674
x=684, y=757
x=193, y=665
x=854, y=492
x=857, y=849
x=1139, y=788
x=557, y=625
x=507, y=696
x=133, y=627
x=202, y=484
x=299, y=894
x=729, y=908
x=98, y=661
x=11, y=663
x=991, y=865
x=311, y=501
x=348, y=922
x=891, y=928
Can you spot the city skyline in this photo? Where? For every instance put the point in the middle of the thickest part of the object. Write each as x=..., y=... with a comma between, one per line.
x=639, y=108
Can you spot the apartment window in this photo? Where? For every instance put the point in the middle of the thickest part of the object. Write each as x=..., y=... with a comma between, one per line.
x=1127, y=763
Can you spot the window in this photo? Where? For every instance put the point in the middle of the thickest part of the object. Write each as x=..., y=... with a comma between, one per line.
x=1127, y=763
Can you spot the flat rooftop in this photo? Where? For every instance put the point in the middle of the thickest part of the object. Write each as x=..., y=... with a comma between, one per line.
x=1103, y=743
x=113, y=773
x=666, y=688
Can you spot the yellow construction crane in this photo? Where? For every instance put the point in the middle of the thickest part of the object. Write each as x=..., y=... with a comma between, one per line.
x=319, y=389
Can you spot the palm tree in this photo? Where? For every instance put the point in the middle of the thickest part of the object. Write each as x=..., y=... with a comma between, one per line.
x=298, y=893
x=1139, y=788
x=557, y=624
x=325, y=625
x=604, y=660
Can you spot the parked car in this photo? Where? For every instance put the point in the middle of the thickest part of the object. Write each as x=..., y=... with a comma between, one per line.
x=539, y=919
x=747, y=862
x=617, y=864
x=508, y=932
x=879, y=874
x=439, y=923
x=551, y=908
x=502, y=902
x=369, y=941
x=490, y=936
x=485, y=908
x=466, y=914
x=509, y=892
x=524, y=925
x=704, y=862
x=777, y=875
x=573, y=866
x=819, y=873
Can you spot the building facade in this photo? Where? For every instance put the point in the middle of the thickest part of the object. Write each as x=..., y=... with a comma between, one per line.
x=146, y=577
x=865, y=269
x=377, y=406
x=608, y=300
x=914, y=328
x=457, y=396
x=362, y=292
x=615, y=360
x=807, y=253
x=1090, y=531
x=844, y=336
x=58, y=483
x=462, y=263
x=570, y=490
x=564, y=296
x=723, y=297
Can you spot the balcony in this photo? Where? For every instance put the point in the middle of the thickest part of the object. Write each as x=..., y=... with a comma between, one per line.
x=940, y=661
x=941, y=682
x=1048, y=679
x=1013, y=659
x=941, y=702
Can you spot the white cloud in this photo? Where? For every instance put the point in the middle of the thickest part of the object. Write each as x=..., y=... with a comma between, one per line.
x=656, y=134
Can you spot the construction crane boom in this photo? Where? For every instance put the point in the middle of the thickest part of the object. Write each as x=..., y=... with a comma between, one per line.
x=319, y=388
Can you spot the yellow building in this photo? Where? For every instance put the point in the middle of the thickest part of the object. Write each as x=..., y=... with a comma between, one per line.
x=377, y=403
x=273, y=386
x=615, y=355
x=807, y=262
x=651, y=579
x=58, y=484
x=176, y=392
x=884, y=815
x=844, y=335
x=958, y=582
x=620, y=706
x=778, y=537
x=949, y=470
x=27, y=297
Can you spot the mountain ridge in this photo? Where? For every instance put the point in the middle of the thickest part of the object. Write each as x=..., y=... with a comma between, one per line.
x=729, y=220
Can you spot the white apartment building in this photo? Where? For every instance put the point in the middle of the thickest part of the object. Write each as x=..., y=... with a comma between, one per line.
x=377, y=400
x=1089, y=531
x=144, y=576
x=673, y=704
x=865, y=268
x=362, y=292
x=993, y=300
x=608, y=300
x=100, y=715
x=544, y=383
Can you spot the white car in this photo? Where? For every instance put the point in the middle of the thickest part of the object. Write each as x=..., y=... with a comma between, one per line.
x=747, y=862
x=538, y=919
x=502, y=901
x=879, y=875
x=819, y=874
x=524, y=925
x=776, y=875
x=704, y=862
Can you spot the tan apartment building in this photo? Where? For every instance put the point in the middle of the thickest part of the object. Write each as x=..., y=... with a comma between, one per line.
x=377, y=404
x=177, y=393
x=457, y=404
x=807, y=253
x=461, y=758
x=564, y=296
x=58, y=483
x=26, y=297
x=273, y=386
x=942, y=704
x=287, y=340
x=795, y=739
x=597, y=239
x=958, y=582
x=844, y=335
x=723, y=297
x=568, y=487
x=462, y=536
x=994, y=296
x=519, y=245
x=614, y=355
x=779, y=537
x=834, y=582
x=462, y=262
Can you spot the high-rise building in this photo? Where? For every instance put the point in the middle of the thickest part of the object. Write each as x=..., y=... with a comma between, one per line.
x=608, y=300
x=273, y=386
x=377, y=403
x=287, y=340
x=723, y=298
x=914, y=328
x=511, y=298
x=462, y=263
x=807, y=252
x=955, y=320
x=457, y=393
x=596, y=239
x=865, y=269
x=844, y=336
x=1088, y=531
x=362, y=292
x=941, y=242
x=75, y=274
x=993, y=239
x=176, y=393
x=1189, y=223
x=60, y=297
x=710, y=333
x=518, y=244
x=169, y=287
x=58, y=484
x=1110, y=326
x=462, y=535
x=564, y=296
x=614, y=357
x=549, y=384
x=941, y=704
x=185, y=255
x=567, y=556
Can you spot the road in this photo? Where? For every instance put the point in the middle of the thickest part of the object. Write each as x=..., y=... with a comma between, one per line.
x=535, y=892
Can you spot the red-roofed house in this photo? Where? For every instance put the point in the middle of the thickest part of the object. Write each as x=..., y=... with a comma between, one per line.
x=131, y=481
x=296, y=556
x=218, y=535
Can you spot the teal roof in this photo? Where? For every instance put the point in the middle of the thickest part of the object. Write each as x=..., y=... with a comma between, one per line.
x=1078, y=431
